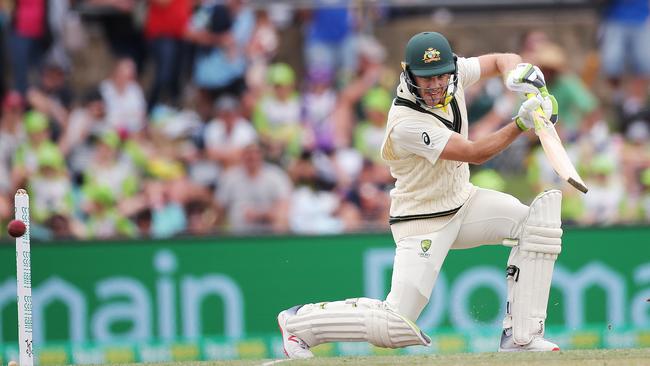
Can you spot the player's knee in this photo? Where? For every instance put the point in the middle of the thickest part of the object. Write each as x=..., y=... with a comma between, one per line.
x=542, y=230
x=410, y=304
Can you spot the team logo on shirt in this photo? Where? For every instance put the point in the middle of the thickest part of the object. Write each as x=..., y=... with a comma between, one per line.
x=430, y=55
x=425, y=244
x=425, y=138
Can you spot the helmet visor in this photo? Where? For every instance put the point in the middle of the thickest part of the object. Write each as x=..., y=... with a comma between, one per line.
x=433, y=96
x=433, y=71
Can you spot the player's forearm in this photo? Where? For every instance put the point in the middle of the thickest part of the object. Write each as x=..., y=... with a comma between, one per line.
x=488, y=146
x=498, y=64
x=507, y=62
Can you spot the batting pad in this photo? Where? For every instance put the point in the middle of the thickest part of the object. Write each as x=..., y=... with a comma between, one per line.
x=359, y=319
x=530, y=268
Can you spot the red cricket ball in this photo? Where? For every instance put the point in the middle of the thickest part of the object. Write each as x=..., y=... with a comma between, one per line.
x=16, y=228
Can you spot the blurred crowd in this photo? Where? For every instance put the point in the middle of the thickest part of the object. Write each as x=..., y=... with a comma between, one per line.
x=226, y=137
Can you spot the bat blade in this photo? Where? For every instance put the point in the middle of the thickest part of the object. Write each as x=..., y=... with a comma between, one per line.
x=556, y=153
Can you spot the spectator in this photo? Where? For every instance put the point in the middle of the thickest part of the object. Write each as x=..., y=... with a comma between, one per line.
x=315, y=206
x=540, y=174
x=370, y=72
x=277, y=114
x=50, y=188
x=111, y=169
x=255, y=195
x=606, y=191
x=626, y=41
x=262, y=48
x=162, y=159
x=635, y=155
x=202, y=217
x=104, y=220
x=166, y=200
x=116, y=18
x=174, y=143
x=52, y=95
x=330, y=37
x=159, y=210
x=221, y=33
x=25, y=161
x=29, y=39
x=164, y=29
x=66, y=28
x=318, y=105
x=369, y=134
x=86, y=121
x=12, y=135
x=490, y=106
x=578, y=107
x=530, y=41
x=573, y=207
x=124, y=99
x=370, y=195
x=143, y=221
x=226, y=136
x=63, y=227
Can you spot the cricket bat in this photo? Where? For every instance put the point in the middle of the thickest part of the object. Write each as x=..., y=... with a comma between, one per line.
x=549, y=138
x=556, y=153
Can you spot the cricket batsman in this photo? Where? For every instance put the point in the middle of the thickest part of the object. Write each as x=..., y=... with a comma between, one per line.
x=435, y=208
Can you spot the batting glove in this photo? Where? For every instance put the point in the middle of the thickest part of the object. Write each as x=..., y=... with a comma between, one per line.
x=526, y=79
x=525, y=119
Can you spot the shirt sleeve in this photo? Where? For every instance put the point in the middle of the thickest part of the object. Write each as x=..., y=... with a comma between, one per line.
x=469, y=70
x=421, y=138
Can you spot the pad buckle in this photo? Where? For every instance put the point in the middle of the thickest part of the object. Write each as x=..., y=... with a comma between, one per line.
x=512, y=271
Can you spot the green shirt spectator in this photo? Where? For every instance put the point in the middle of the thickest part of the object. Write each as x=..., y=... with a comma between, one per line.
x=369, y=134
x=575, y=101
x=38, y=134
x=104, y=220
x=111, y=168
x=276, y=116
x=50, y=188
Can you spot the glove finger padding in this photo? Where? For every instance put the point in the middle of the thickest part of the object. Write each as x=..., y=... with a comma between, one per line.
x=552, y=115
x=539, y=74
x=531, y=104
x=548, y=106
x=525, y=119
x=526, y=78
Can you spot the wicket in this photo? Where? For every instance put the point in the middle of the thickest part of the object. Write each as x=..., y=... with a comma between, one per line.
x=24, y=281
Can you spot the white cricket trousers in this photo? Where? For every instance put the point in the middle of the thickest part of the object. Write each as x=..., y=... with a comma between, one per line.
x=487, y=217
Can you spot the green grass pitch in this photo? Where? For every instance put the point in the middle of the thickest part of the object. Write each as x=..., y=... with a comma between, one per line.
x=622, y=357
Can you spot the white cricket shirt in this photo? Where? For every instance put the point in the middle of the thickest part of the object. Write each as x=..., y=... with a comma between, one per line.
x=426, y=187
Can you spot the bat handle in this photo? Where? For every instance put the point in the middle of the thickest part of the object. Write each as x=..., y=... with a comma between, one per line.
x=544, y=92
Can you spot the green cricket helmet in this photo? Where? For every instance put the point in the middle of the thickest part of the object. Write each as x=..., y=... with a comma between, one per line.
x=429, y=54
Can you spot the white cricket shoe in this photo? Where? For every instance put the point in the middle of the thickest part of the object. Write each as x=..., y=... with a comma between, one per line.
x=538, y=344
x=294, y=347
